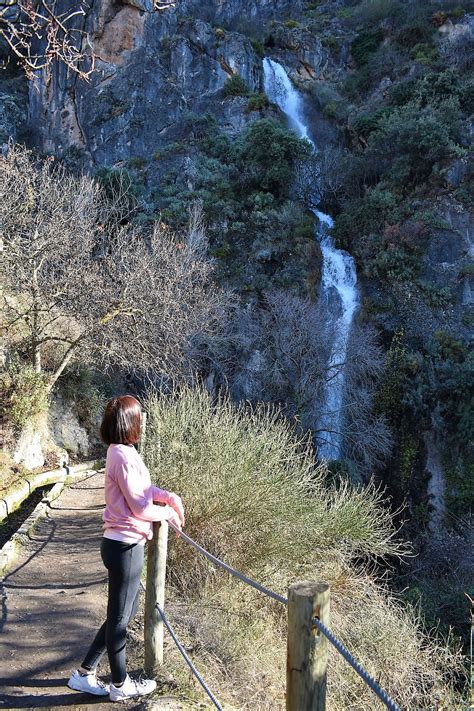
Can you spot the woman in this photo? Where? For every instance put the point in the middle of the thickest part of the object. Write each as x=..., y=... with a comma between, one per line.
x=130, y=508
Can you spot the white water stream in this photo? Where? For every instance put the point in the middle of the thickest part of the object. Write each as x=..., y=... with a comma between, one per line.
x=338, y=281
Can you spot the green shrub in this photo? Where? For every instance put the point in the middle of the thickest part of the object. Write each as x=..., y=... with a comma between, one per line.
x=28, y=395
x=257, y=102
x=331, y=42
x=305, y=228
x=254, y=497
x=292, y=24
x=364, y=124
x=119, y=181
x=393, y=264
x=438, y=297
x=414, y=137
x=198, y=125
x=258, y=48
x=344, y=13
x=401, y=92
x=267, y=156
x=235, y=86
x=467, y=270
x=424, y=53
x=458, y=12
x=362, y=217
x=365, y=44
x=136, y=162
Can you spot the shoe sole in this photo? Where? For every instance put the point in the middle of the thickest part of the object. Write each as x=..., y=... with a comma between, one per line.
x=83, y=691
x=132, y=696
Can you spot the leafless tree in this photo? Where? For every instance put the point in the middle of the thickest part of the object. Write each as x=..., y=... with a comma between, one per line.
x=39, y=32
x=457, y=49
x=81, y=287
x=280, y=352
x=330, y=161
x=366, y=435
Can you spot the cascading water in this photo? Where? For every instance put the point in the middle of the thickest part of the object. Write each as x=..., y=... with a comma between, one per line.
x=338, y=281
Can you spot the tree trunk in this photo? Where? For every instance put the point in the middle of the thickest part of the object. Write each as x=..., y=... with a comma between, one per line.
x=35, y=323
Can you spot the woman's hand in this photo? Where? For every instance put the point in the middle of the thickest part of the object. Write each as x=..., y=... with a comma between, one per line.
x=175, y=502
x=175, y=520
x=170, y=499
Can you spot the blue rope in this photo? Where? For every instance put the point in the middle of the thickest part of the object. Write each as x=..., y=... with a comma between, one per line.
x=369, y=680
x=187, y=659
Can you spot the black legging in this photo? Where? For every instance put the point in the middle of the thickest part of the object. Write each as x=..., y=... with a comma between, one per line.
x=124, y=561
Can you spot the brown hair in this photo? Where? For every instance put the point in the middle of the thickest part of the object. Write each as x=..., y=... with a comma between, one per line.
x=121, y=423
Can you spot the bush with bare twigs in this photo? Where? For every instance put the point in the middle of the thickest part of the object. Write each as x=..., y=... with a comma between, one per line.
x=278, y=351
x=40, y=32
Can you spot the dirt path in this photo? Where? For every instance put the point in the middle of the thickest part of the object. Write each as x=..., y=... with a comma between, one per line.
x=53, y=600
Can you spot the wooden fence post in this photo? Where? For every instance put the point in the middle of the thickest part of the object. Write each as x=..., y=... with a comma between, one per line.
x=155, y=593
x=307, y=647
x=141, y=443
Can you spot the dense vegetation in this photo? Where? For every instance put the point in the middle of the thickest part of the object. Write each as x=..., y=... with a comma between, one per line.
x=261, y=236
x=400, y=185
x=404, y=108
x=246, y=476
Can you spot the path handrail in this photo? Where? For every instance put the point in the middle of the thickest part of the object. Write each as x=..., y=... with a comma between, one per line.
x=357, y=666
x=184, y=654
x=228, y=568
x=314, y=620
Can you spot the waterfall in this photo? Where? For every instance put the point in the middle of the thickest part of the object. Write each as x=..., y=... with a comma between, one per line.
x=338, y=281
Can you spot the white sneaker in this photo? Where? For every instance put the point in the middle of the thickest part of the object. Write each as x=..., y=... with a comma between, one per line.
x=132, y=687
x=88, y=683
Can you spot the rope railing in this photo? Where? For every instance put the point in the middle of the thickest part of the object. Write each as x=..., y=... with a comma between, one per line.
x=228, y=568
x=187, y=659
x=185, y=655
x=365, y=676
x=357, y=666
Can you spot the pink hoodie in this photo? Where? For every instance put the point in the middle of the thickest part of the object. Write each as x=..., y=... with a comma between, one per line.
x=129, y=496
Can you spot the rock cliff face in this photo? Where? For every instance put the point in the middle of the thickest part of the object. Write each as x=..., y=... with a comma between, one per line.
x=152, y=67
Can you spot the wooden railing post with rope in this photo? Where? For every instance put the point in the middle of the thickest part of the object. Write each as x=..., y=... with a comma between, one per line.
x=155, y=594
x=155, y=584
x=307, y=647
x=308, y=630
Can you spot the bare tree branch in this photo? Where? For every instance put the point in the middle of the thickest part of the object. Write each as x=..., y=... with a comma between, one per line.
x=279, y=351
x=37, y=34
x=103, y=293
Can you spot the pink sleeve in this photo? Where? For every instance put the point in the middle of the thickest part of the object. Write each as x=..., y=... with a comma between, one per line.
x=138, y=493
x=160, y=495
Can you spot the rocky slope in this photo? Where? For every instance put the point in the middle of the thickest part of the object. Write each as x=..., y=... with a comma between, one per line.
x=153, y=67
x=162, y=80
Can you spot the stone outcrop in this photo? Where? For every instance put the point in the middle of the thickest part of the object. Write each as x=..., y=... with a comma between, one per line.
x=152, y=68
x=66, y=430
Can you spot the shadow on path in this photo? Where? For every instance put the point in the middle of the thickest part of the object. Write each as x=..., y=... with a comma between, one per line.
x=52, y=603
